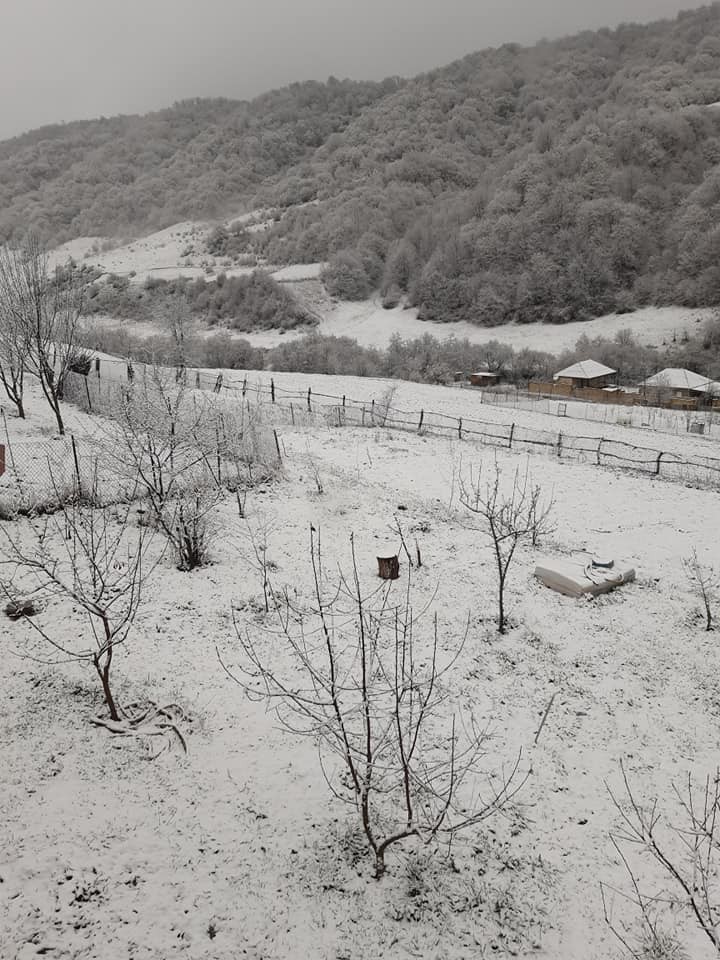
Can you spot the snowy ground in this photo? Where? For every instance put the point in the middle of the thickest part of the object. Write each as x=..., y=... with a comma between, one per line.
x=371, y=325
x=238, y=849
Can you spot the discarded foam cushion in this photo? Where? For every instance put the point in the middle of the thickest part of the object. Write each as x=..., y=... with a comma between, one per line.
x=576, y=578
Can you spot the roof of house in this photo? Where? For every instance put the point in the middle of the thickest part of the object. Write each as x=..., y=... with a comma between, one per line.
x=677, y=379
x=483, y=373
x=585, y=370
x=712, y=387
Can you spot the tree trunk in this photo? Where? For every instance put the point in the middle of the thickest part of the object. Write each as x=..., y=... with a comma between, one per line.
x=104, y=674
x=388, y=567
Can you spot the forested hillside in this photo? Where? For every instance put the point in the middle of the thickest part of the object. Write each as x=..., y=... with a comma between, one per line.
x=549, y=183
x=139, y=173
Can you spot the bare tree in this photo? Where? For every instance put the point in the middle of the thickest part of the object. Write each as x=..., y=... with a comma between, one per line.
x=687, y=854
x=178, y=322
x=373, y=696
x=14, y=350
x=507, y=518
x=88, y=556
x=704, y=579
x=46, y=306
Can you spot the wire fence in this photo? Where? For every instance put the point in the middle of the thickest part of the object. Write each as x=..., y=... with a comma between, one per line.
x=40, y=468
x=656, y=419
x=301, y=407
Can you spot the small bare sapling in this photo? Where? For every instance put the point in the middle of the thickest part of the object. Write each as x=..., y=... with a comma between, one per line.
x=359, y=679
x=91, y=558
x=507, y=518
x=706, y=584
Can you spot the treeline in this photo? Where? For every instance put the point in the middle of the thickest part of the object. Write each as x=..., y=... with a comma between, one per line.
x=248, y=302
x=424, y=359
x=125, y=175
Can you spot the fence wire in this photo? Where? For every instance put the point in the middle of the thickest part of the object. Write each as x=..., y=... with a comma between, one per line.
x=40, y=472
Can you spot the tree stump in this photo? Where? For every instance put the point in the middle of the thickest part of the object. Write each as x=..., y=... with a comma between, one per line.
x=388, y=567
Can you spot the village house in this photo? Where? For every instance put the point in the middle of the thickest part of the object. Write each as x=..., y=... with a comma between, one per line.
x=483, y=378
x=586, y=373
x=675, y=383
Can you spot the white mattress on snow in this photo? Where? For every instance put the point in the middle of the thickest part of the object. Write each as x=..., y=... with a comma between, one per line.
x=575, y=578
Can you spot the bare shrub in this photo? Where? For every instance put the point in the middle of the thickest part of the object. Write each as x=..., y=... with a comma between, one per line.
x=507, y=518
x=314, y=471
x=191, y=528
x=383, y=407
x=258, y=534
x=374, y=696
x=186, y=452
x=706, y=583
x=688, y=857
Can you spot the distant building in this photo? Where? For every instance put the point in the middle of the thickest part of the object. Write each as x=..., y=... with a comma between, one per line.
x=586, y=373
x=674, y=382
x=483, y=378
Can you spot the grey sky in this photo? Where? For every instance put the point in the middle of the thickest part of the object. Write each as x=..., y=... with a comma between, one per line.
x=63, y=60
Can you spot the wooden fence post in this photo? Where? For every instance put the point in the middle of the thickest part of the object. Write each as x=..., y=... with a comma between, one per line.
x=97, y=366
x=309, y=396
x=422, y=417
x=343, y=401
x=77, y=462
x=292, y=413
x=197, y=379
x=460, y=428
x=657, y=462
x=277, y=445
x=599, y=448
x=272, y=390
x=512, y=434
x=87, y=392
x=372, y=410
x=559, y=445
x=244, y=386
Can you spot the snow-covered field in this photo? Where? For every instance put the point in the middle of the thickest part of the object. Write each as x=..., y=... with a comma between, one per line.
x=371, y=325
x=238, y=848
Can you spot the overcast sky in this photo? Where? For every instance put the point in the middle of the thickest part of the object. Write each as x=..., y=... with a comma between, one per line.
x=64, y=60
